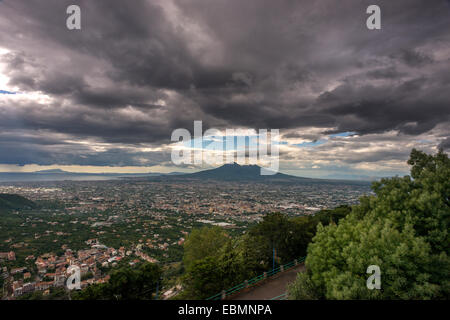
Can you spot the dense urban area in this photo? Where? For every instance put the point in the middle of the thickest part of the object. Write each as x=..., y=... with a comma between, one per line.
x=103, y=225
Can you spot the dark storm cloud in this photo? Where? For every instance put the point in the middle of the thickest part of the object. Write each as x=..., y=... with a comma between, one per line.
x=445, y=144
x=26, y=154
x=385, y=73
x=413, y=58
x=296, y=135
x=139, y=69
x=25, y=147
x=413, y=107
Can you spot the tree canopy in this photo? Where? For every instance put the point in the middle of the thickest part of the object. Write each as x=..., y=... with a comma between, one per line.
x=202, y=243
x=214, y=261
x=125, y=284
x=403, y=229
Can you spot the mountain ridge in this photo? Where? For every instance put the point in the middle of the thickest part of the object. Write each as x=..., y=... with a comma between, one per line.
x=246, y=173
x=234, y=171
x=15, y=202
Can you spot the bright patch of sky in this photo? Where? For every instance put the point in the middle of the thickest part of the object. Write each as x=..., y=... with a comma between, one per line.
x=215, y=142
x=6, y=92
x=342, y=134
x=251, y=141
x=311, y=144
x=324, y=140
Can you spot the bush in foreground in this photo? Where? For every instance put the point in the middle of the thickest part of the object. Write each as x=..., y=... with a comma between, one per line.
x=403, y=229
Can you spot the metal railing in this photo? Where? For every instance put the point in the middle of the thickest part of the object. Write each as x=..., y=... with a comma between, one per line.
x=248, y=283
x=282, y=296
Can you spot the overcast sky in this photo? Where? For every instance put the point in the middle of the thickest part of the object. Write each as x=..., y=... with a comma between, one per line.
x=348, y=101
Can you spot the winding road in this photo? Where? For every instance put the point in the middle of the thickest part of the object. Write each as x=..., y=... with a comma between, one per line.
x=273, y=287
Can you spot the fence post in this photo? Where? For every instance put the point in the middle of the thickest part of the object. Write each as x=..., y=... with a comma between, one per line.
x=296, y=262
x=265, y=275
x=281, y=268
x=246, y=283
x=224, y=295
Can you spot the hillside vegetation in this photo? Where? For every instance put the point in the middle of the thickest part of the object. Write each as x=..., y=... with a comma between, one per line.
x=403, y=229
x=214, y=261
x=14, y=202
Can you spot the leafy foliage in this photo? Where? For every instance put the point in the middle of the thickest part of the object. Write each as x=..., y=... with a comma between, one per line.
x=403, y=229
x=14, y=202
x=203, y=242
x=125, y=284
x=214, y=261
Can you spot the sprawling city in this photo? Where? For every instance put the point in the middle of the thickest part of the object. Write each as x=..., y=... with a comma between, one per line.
x=224, y=158
x=99, y=225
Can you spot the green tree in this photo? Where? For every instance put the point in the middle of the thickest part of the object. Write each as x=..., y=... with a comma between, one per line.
x=125, y=284
x=203, y=242
x=273, y=232
x=289, y=236
x=215, y=262
x=203, y=279
x=403, y=229
x=327, y=216
x=253, y=251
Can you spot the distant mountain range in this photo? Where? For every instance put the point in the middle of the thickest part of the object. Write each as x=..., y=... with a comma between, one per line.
x=359, y=177
x=236, y=172
x=227, y=172
x=247, y=173
x=61, y=175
